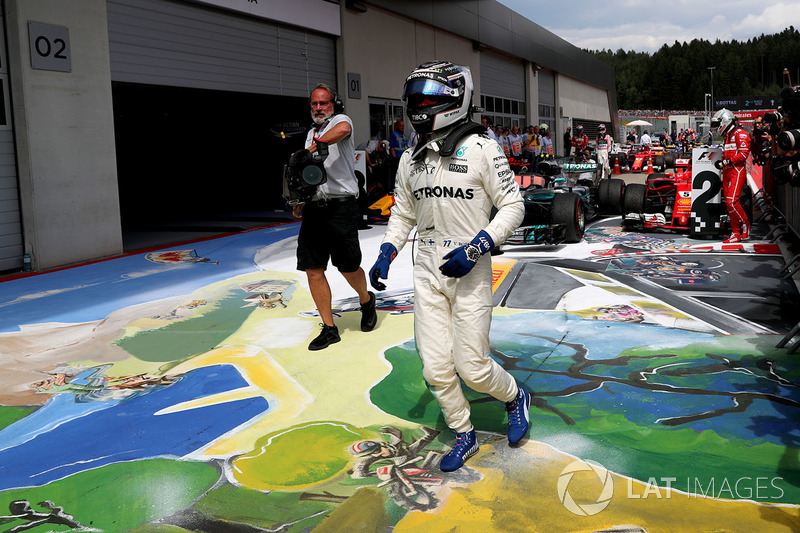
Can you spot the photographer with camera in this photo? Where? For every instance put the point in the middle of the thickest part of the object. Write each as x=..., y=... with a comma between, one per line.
x=736, y=148
x=329, y=230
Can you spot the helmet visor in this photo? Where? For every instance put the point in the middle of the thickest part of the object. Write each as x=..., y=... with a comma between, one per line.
x=427, y=87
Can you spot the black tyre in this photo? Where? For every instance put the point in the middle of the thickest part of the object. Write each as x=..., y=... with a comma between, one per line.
x=567, y=209
x=610, y=194
x=669, y=160
x=635, y=197
x=658, y=163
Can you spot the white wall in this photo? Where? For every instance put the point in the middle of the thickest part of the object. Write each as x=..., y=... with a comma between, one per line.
x=65, y=136
x=581, y=100
x=384, y=68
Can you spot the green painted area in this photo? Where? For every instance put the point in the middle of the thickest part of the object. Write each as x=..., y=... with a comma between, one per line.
x=269, y=510
x=299, y=457
x=10, y=414
x=121, y=496
x=182, y=339
x=157, y=528
x=616, y=424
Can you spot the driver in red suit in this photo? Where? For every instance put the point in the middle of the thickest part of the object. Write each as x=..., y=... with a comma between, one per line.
x=580, y=140
x=736, y=148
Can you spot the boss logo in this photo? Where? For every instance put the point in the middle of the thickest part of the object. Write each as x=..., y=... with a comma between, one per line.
x=458, y=168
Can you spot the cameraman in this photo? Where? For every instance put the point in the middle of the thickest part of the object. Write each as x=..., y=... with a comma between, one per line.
x=329, y=229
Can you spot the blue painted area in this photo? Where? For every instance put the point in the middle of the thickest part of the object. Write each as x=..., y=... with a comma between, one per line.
x=602, y=339
x=93, y=291
x=694, y=385
x=66, y=437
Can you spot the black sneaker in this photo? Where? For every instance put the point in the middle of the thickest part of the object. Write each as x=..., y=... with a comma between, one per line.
x=328, y=336
x=368, y=315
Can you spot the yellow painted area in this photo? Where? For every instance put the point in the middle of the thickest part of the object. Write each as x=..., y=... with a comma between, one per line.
x=501, y=266
x=340, y=376
x=286, y=398
x=588, y=275
x=519, y=493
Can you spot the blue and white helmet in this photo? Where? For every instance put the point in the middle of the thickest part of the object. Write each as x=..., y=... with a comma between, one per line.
x=438, y=94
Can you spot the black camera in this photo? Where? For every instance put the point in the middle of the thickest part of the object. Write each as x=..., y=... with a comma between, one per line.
x=304, y=173
x=789, y=140
x=785, y=166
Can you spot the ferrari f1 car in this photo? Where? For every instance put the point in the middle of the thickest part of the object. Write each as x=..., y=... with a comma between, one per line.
x=560, y=201
x=637, y=158
x=665, y=201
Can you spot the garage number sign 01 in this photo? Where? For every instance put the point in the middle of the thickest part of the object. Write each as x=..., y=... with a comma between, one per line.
x=49, y=47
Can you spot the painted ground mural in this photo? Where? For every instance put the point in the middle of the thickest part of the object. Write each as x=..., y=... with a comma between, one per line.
x=173, y=391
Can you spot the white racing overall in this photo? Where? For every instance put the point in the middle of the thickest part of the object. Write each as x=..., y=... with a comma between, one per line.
x=604, y=143
x=449, y=199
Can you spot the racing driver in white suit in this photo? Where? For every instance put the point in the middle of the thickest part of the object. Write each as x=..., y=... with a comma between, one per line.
x=446, y=187
x=604, y=144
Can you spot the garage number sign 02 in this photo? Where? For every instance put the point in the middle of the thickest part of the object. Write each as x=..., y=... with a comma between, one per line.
x=49, y=47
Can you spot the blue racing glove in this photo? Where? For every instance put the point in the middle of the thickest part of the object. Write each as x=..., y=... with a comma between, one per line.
x=461, y=260
x=381, y=267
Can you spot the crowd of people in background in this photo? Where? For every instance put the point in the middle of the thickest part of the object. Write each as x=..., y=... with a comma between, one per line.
x=659, y=113
x=530, y=144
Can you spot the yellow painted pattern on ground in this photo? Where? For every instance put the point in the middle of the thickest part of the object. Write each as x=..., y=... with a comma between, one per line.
x=519, y=493
x=501, y=266
x=339, y=376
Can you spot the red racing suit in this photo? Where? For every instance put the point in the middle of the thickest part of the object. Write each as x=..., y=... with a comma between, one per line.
x=734, y=176
x=580, y=142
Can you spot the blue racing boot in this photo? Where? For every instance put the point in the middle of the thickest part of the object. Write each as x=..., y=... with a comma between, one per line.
x=518, y=422
x=466, y=446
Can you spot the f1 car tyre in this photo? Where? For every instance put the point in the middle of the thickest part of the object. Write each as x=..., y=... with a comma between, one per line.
x=658, y=163
x=567, y=209
x=635, y=197
x=610, y=194
x=669, y=160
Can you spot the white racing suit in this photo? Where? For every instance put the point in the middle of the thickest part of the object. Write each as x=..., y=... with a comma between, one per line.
x=604, y=143
x=450, y=199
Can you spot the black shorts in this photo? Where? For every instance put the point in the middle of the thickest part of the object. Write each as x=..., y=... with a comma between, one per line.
x=329, y=232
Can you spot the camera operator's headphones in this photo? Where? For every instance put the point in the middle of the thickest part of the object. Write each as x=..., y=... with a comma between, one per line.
x=338, y=105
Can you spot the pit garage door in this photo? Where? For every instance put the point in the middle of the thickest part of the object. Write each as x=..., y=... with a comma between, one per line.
x=166, y=42
x=11, y=248
x=208, y=104
x=502, y=90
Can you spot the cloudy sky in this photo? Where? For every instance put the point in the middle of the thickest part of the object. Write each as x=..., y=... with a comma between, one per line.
x=645, y=26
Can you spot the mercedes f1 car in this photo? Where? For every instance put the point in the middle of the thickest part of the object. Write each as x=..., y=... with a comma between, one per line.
x=560, y=201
